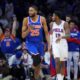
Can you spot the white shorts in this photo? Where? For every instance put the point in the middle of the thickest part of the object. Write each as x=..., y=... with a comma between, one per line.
x=74, y=55
x=60, y=50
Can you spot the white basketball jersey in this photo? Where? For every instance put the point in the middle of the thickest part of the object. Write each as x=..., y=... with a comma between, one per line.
x=58, y=30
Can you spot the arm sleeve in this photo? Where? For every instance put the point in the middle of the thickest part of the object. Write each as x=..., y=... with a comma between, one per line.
x=73, y=40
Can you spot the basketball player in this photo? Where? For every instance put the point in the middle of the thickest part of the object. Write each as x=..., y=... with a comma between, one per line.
x=73, y=49
x=60, y=31
x=32, y=30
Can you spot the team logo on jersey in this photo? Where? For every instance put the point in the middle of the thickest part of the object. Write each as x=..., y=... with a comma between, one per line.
x=35, y=30
x=57, y=30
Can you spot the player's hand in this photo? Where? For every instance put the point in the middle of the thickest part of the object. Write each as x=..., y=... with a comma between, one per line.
x=58, y=40
x=49, y=47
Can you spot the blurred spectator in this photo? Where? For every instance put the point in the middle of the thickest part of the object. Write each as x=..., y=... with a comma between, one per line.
x=15, y=63
x=15, y=60
x=27, y=59
x=9, y=10
x=4, y=21
x=8, y=43
x=73, y=49
x=68, y=18
x=4, y=69
x=15, y=25
x=27, y=62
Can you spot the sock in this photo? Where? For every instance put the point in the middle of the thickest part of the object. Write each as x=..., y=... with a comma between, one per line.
x=58, y=76
x=62, y=77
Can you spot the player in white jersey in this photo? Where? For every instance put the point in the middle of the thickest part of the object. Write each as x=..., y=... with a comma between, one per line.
x=60, y=31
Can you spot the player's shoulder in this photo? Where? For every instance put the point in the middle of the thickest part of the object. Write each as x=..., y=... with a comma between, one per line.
x=63, y=21
x=51, y=23
x=66, y=23
x=42, y=17
x=25, y=18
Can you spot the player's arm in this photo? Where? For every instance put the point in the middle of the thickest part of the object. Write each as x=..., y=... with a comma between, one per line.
x=51, y=25
x=25, y=29
x=67, y=30
x=15, y=26
x=46, y=31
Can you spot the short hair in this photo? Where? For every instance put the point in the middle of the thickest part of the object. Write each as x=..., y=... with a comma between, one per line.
x=68, y=15
x=7, y=29
x=57, y=13
x=34, y=6
x=73, y=21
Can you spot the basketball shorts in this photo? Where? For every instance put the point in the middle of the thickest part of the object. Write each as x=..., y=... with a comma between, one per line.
x=60, y=50
x=35, y=48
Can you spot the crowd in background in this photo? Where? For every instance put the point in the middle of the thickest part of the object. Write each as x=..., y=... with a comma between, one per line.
x=10, y=7
x=12, y=13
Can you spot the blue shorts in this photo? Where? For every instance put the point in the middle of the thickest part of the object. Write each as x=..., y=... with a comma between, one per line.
x=35, y=48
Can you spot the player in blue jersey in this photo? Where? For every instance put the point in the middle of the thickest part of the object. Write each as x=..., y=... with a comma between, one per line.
x=32, y=30
x=73, y=49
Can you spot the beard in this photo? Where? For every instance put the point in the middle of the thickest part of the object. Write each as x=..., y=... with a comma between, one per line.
x=33, y=15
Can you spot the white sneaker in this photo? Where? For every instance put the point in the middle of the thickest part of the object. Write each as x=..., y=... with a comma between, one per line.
x=59, y=77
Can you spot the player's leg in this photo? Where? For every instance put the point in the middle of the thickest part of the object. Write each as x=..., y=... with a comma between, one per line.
x=63, y=49
x=62, y=71
x=36, y=58
x=69, y=65
x=52, y=66
x=55, y=52
x=40, y=48
x=76, y=59
x=57, y=62
x=37, y=66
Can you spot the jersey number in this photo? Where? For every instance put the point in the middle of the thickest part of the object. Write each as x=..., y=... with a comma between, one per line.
x=57, y=35
x=35, y=32
x=7, y=43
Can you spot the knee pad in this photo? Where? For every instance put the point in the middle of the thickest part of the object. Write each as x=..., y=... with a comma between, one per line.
x=36, y=60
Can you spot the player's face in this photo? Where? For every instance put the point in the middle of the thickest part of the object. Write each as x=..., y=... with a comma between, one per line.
x=32, y=12
x=7, y=33
x=72, y=25
x=68, y=18
x=55, y=17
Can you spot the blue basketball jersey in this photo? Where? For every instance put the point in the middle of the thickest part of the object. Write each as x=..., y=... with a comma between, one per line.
x=36, y=34
x=74, y=46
